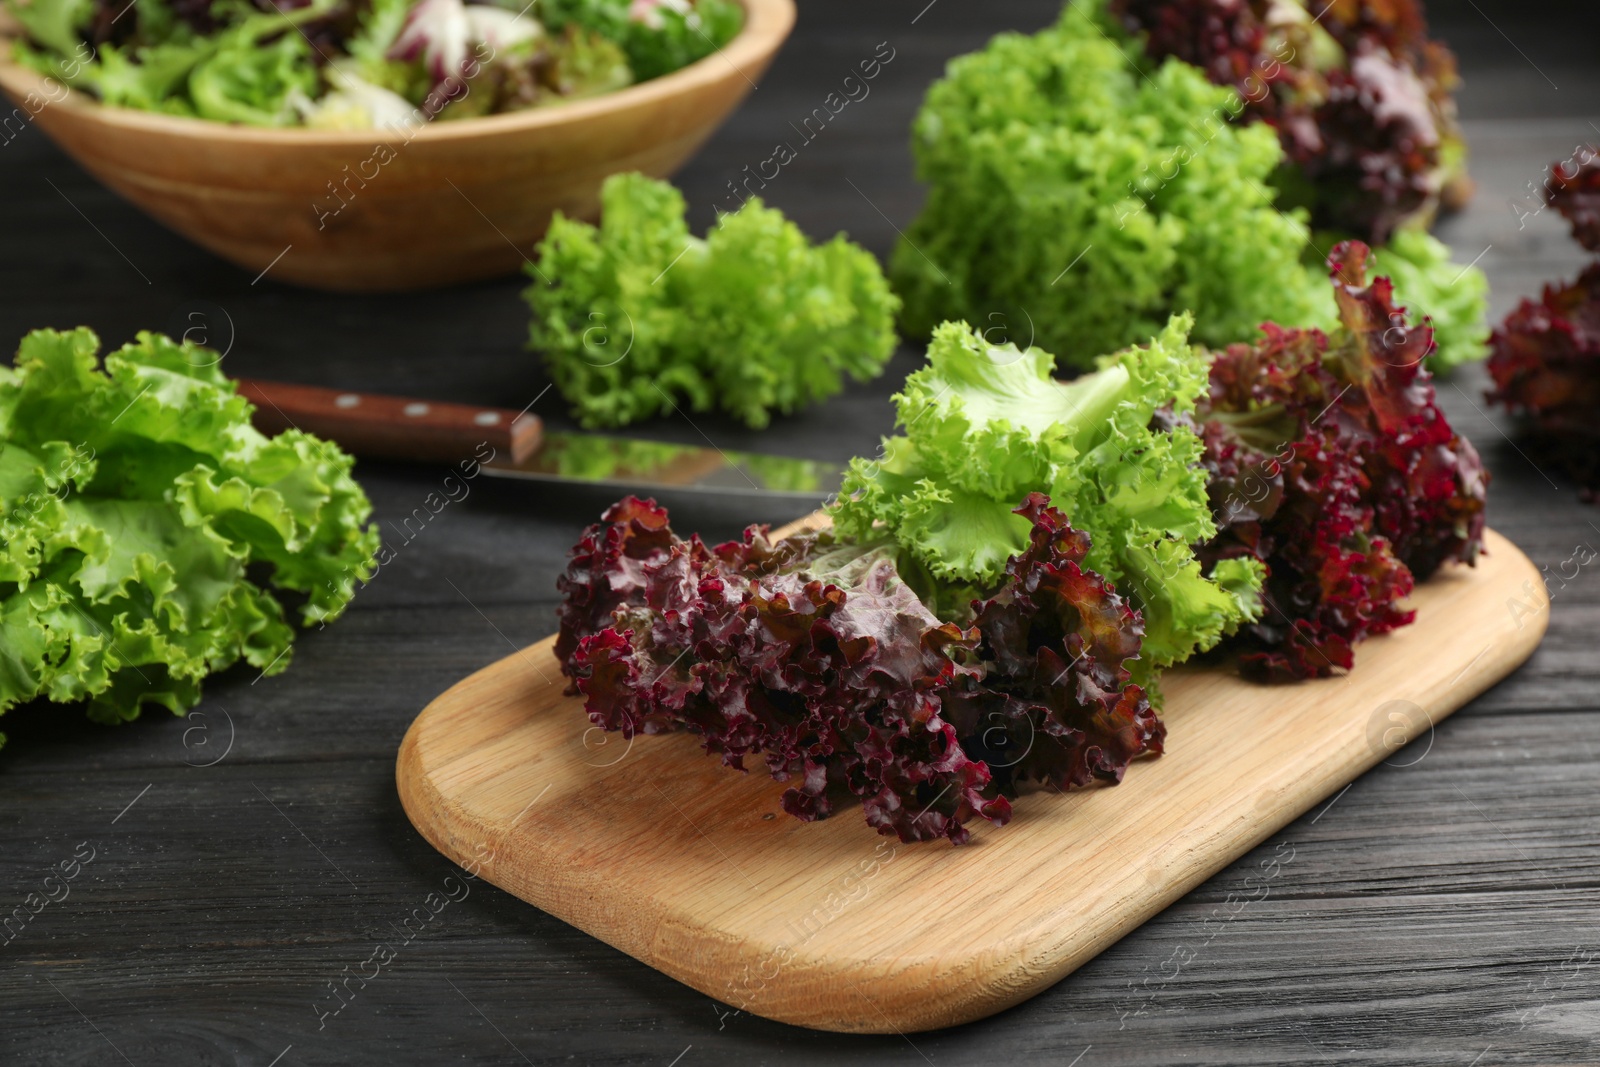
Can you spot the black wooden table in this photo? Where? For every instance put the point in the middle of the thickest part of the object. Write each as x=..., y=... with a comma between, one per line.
x=1446, y=911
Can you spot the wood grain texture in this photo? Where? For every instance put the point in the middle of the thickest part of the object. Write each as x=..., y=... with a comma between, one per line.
x=693, y=868
x=367, y=210
x=1437, y=913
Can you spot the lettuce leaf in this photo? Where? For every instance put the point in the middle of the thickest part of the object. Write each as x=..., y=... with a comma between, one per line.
x=138, y=511
x=1573, y=189
x=1453, y=298
x=985, y=425
x=813, y=654
x=1074, y=194
x=1546, y=361
x=254, y=84
x=637, y=315
x=56, y=24
x=1081, y=187
x=1361, y=99
x=657, y=37
x=1332, y=464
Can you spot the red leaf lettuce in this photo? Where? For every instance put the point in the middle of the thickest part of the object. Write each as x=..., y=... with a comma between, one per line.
x=1546, y=354
x=811, y=653
x=1331, y=462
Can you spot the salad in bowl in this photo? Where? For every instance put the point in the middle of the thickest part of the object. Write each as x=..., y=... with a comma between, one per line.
x=361, y=64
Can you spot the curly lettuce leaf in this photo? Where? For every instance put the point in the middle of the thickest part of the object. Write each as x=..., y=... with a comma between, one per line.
x=583, y=64
x=1361, y=99
x=254, y=84
x=985, y=425
x=1452, y=296
x=817, y=656
x=637, y=315
x=375, y=34
x=1331, y=463
x=1574, y=190
x=253, y=64
x=1073, y=194
x=657, y=37
x=139, y=509
x=58, y=25
x=1546, y=370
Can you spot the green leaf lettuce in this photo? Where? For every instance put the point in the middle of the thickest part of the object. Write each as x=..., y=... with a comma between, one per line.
x=637, y=315
x=658, y=38
x=984, y=425
x=139, y=509
x=1073, y=190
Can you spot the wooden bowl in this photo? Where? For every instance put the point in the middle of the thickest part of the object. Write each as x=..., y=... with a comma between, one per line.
x=370, y=211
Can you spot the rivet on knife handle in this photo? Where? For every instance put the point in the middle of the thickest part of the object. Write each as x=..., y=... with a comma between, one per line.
x=393, y=427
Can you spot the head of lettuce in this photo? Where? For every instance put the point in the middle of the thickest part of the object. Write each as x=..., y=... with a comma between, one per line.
x=146, y=526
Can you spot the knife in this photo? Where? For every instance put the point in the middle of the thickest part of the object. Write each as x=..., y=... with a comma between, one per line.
x=377, y=426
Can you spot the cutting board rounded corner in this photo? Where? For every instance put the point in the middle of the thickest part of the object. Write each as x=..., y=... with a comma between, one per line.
x=446, y=824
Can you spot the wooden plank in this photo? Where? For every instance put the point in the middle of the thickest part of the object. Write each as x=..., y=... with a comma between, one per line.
x=660, y=851
x=1430, y=914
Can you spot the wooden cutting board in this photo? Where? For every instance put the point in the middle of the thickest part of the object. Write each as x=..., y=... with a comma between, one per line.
x=657, y=849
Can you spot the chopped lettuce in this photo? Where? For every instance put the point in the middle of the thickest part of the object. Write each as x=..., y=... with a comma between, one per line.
x=637, y=316
x=354, y=103
x=352, y=64
x=254, y=84
x=985, y=425
x=572, y=65
x=659, y=36
x=377, y=32
x=142, y=520
x=55, y=24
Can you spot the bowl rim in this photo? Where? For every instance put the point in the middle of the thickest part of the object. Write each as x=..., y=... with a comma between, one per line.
x=767, y=23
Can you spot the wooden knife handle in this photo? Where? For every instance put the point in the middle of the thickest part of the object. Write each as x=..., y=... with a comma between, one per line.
x=392, y=427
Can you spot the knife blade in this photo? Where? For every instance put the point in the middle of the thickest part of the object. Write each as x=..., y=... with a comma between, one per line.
x=380, y=426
